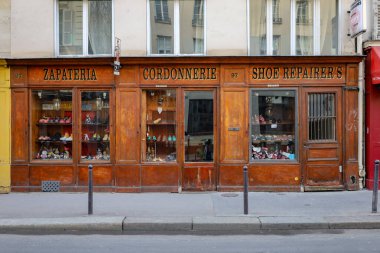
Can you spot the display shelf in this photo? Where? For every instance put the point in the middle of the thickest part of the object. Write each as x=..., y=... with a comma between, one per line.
x=159, y=125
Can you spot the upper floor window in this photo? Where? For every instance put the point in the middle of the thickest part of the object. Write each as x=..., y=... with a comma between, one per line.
x=176, y=27
x=293, y=27
x=84, y=27
x=162, y=13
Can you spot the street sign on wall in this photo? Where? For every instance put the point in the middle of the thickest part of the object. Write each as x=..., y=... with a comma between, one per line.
x=358, y=18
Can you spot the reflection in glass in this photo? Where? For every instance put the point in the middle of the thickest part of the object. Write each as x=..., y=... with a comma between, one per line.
x=100, y=27
x=159, y=126
x=191, y=26
x=70, y=27
x=162, y=26
x=52, y=124
x=95, y=131
x=273, y=125
x=329, y=27
x=199, y=126
x=281, y=27
x=258, y=36
x=304, y=27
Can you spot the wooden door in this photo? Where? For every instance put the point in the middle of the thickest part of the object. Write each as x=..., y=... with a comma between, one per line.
x=199, y=139
x=321, y=132
x=20, y=109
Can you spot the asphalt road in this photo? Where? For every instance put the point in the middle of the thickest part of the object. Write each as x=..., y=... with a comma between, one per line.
x=306, y=241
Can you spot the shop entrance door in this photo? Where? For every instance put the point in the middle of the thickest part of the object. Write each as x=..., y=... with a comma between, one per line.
x=199, y=131
x=321, y=131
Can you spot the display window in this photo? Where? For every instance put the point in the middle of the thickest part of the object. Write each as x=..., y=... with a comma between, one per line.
x=159, y=125
x=95, y=126
x=199, y=126
x=273, y=125
x=52, y=125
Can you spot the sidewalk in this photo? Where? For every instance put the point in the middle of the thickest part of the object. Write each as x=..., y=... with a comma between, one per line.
x=186, y=212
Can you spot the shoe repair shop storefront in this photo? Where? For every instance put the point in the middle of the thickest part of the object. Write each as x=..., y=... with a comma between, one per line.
x=189, y=123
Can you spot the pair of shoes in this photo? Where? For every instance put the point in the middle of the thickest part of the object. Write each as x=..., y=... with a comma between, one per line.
x=67, y=120
x=44, y=138
x=44, y=120
x=65, y=137
x=85, y=137
x=96, y=137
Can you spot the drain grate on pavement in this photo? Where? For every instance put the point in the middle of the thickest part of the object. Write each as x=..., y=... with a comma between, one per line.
x=50, y=186
x=230, y=195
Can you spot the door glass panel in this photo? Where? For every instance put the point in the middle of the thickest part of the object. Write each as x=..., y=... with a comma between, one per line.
x=159, y=126
x=95, y=131
x=273, y=125
x=52, y=124
x=322, y=117
x=199, y=126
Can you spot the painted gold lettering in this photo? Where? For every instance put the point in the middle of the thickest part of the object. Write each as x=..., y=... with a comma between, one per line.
x=286, y=73
x=323, y=72
x=93, y=76
x=159, y=73
x=339, y=72
x=46, y=74
x=173, y=73
x=202, y=74
x=316, y=73
x=292, y=72
x=195, y=73
x=145, y=74
x=299, y=72
x=330, y=72
x=254, y=73
x=82, y=74
x=180, y=73
x=51, y=75
x=166, y=74
x=213, y=73
x=64, y=76
x=261, y=73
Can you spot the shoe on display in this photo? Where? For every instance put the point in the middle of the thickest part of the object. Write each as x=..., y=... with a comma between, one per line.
x=170, y=139
x=174, y=139
x=105, y=138
x=69, y=138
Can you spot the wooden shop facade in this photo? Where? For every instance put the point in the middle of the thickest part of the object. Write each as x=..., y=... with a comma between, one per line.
x=185, y=123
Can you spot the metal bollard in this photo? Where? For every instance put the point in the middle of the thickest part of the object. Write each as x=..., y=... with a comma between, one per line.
x=375, y=187
x=245, y=174
x=90, y=190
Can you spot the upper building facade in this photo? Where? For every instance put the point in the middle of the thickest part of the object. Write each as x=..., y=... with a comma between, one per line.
x=55, y=28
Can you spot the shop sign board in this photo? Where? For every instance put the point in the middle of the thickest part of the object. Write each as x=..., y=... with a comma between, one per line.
x=357, y=18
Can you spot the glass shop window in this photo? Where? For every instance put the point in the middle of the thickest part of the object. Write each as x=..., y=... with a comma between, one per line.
x=199, y=126
x=52, y=126
x=95, y=126
x=273, y=125
x=158, y=125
